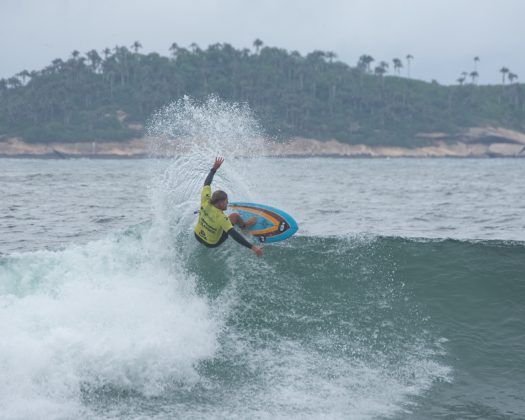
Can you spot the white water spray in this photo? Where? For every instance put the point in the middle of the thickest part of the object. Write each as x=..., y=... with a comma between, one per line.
x=122, y=312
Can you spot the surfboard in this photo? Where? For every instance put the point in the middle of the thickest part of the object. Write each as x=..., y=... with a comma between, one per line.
x=273, y=225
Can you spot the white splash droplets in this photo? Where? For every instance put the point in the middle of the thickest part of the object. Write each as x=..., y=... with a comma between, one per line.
x=122, y=312
x=186, y=136
x=199, y=129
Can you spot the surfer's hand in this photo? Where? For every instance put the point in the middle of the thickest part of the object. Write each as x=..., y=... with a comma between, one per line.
x=250, y=222
x=218, y=162
x=257, y=250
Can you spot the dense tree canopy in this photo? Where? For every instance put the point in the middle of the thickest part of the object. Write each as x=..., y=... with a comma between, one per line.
x=109, y=96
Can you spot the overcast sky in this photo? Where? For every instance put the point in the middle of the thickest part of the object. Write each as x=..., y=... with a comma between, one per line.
x=443, y=35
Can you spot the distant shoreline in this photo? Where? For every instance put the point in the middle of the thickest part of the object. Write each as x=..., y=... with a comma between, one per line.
x=486, y=142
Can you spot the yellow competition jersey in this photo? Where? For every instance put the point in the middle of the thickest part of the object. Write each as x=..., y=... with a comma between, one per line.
x=212, y=221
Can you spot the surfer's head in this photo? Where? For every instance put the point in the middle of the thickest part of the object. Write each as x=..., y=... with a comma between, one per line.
x=219, y=199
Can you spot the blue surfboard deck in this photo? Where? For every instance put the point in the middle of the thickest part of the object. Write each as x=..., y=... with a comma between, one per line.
x=273, y=224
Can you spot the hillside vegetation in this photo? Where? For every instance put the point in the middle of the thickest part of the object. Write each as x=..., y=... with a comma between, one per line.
x=110, y=96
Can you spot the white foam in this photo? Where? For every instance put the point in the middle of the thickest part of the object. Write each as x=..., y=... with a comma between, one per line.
x=123, y=311
x=92, y=315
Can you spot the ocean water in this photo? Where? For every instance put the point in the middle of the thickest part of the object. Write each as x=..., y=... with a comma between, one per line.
x=401, y=297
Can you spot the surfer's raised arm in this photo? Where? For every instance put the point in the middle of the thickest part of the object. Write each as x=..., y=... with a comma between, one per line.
x=213, y=226
x=216, y=166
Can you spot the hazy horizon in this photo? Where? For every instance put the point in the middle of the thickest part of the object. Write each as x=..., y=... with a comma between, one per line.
x=443, y=39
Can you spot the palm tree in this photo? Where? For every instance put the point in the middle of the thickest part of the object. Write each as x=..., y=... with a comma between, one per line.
x=361, y=63
x=257, y=44
x=476, y=60
x=24, y=74
x=461, y=80
x=94, y=58
x=56, y=65
x=512, y=76
x=174, y=49
x=136, y=46
x=106, y=51
x=75, y=54
x=330, y=55
x=194, y=47
x=381, y=69
x=474, y=75
x=398, y=64
x=364, y=62
x=409, y=58
x=504, y=70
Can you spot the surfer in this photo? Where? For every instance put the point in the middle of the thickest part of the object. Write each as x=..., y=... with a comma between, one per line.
x=214, y=227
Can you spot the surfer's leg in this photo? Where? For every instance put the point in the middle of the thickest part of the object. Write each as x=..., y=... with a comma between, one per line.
x=236, y=219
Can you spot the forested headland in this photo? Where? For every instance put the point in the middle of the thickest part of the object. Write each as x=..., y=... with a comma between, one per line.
x=109, y=95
